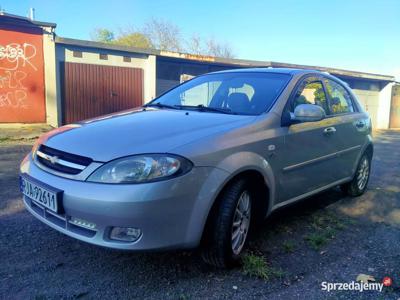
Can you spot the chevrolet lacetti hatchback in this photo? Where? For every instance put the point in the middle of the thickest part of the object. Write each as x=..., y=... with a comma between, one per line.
x=202, y=163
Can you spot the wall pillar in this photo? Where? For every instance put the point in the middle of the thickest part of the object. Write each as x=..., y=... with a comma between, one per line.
x=149, y=79
x=385, y=97
x=52, y=106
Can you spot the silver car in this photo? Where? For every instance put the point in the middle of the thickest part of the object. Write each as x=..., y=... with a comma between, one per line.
x=202, y=163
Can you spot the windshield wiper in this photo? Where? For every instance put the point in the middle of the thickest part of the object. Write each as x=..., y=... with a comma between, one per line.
x=162, y=105
x=201, y=107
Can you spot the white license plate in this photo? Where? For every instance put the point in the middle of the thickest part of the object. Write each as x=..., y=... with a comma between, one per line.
x=38, y=193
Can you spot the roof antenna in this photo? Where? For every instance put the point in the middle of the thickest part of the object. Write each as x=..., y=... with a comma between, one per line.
x=31, y=14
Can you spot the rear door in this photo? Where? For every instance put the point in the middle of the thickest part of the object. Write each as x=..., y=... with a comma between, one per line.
x=309, y=151
x=351, y=126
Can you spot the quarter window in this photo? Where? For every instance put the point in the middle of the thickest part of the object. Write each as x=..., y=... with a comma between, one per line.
x=340, y=100
x=311, y=93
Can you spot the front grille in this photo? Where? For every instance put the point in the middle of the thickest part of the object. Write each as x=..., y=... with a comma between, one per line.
x=61, y=161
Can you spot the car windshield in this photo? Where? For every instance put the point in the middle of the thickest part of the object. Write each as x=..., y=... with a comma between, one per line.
x=245, y=93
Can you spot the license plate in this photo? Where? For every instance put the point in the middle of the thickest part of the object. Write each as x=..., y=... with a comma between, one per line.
x=41, y=193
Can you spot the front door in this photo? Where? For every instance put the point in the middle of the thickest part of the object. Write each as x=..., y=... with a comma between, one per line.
x=309, y=149
x=351, y=127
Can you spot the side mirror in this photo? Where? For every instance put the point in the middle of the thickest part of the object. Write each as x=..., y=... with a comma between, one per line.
x=308, y=113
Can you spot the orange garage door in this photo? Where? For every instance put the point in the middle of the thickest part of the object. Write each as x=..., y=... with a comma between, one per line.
x=21, y=75
x=94, y=90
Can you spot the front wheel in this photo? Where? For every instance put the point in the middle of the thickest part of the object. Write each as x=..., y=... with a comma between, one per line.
x=358, y=185
x=229, y=226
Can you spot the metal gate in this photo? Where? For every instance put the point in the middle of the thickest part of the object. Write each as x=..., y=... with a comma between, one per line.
x=395, y=107
x=93, y=90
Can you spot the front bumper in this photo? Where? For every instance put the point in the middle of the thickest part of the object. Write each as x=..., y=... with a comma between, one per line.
x=170, y=214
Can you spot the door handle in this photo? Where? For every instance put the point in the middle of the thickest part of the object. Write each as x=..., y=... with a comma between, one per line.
x=329, y=130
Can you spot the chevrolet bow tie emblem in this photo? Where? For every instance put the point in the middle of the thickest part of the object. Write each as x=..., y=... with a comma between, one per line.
x=53, y=159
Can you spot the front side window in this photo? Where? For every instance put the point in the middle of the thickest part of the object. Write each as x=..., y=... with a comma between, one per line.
x=340, y=100
x=247, y=93
x=311, y=93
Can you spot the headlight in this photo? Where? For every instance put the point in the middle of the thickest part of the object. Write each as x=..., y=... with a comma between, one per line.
x=141, y=168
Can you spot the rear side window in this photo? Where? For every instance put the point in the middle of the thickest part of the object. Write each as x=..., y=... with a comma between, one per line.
x=311, y=93
x=340, y=100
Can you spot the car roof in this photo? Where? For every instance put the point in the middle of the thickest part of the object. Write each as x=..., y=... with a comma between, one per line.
x=294, y=72
x=271, y=70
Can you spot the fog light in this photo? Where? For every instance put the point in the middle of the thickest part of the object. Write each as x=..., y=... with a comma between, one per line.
x=125, y=234
x=82, y=223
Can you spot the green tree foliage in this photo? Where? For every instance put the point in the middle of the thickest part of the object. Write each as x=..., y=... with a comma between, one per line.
x=102, y=35
x=134, y=39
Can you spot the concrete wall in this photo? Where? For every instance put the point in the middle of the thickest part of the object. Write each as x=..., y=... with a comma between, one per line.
x=53, y=105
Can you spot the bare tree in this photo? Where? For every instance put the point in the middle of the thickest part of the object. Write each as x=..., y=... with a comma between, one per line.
x=163, y=35
x=195, y=45
x=217, y=49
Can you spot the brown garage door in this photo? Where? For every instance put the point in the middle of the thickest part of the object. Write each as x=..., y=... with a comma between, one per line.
x=94, y=90
x=395, y=107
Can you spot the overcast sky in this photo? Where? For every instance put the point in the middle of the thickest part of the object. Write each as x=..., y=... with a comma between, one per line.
x=359, y=35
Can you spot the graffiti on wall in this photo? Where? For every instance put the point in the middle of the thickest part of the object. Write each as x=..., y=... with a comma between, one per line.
x=11, y=80
x=15, y=54
x=21, y=77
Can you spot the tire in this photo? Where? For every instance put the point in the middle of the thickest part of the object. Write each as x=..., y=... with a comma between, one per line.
x=359, y=183
x=221, y=247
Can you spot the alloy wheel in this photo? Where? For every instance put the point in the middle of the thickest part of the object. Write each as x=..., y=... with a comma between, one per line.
x=363, y=173
x=241, y=222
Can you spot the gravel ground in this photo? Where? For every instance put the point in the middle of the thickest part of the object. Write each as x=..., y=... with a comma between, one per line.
x=328, y=237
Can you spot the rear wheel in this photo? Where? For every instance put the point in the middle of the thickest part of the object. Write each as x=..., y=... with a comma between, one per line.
x=228, y=230
x=358, y=185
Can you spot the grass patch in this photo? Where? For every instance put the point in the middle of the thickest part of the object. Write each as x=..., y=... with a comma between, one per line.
x=256, y=266
x=325, y=224
x=289, y=246
x=319, y=239
x=324, y=219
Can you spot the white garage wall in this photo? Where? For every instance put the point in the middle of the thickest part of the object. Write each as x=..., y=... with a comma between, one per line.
x=385, y=101
x=370, y=102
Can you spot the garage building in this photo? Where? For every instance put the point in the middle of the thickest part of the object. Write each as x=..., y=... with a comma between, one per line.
x=57, y=80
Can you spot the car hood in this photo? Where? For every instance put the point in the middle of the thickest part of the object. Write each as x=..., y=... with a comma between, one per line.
x=139, y=131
